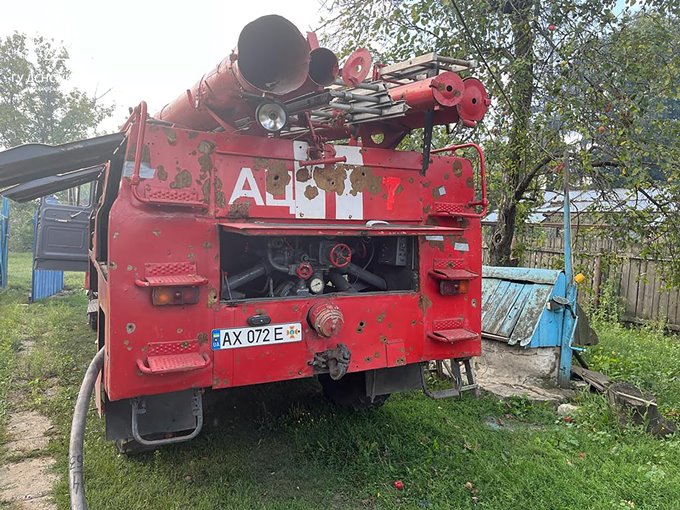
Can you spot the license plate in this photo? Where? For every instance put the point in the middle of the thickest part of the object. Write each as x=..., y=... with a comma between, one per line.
x=233, y=338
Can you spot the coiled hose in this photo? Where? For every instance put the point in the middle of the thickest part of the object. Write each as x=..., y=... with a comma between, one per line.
x=75, y=448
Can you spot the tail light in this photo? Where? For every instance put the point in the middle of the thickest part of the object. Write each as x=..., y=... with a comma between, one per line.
x=453, y=287
x=161, y=296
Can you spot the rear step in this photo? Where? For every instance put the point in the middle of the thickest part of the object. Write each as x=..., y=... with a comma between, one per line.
x=171, y=363
x=451, y=331
x=454, y=373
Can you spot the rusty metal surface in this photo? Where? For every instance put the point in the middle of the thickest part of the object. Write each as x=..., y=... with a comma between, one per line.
x=181, y=193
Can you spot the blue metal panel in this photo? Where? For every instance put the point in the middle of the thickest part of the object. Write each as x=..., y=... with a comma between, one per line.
x=515, y=306
x=4, y=240
x=44, y=283
x=548, y=332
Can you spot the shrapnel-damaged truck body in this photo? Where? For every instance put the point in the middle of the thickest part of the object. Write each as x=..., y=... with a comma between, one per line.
x=263, y=227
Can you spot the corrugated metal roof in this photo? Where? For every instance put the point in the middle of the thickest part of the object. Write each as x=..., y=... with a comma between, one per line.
x=615, y=200
x=514, y=303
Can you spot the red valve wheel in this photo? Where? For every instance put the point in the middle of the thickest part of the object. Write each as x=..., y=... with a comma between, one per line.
x=340, y=255
x=304, y=270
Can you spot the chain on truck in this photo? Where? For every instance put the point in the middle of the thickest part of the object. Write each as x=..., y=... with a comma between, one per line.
x=264, y=227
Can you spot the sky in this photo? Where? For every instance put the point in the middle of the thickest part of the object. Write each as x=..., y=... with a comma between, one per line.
x=145, y=49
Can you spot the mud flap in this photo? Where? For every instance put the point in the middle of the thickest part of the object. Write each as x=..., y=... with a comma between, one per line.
x=155, y=416
x=386, y=381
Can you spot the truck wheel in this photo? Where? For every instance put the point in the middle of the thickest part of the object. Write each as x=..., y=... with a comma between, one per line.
x=350, y=392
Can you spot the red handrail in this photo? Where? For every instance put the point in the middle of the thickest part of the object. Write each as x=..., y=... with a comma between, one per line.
x=482, y=173
x=140, y=114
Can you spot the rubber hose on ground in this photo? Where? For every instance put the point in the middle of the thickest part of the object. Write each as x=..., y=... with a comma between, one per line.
x=75, y=449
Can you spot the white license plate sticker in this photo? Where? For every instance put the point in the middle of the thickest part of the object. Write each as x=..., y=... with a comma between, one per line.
x=233, y=338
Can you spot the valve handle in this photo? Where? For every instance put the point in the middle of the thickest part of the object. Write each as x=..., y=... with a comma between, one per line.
x=304, y=270
x=340, y=255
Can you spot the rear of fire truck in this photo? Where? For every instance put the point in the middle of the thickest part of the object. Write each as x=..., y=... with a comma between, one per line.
x=264, y=227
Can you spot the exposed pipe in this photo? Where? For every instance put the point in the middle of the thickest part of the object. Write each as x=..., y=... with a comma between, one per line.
x=272, y=57
x=75, y=449
x=339, y=282
x=235, y=281
x=375, y=280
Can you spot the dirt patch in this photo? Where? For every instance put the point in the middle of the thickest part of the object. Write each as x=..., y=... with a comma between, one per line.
x=28, y=430
x=28, y=484
x=25, y=348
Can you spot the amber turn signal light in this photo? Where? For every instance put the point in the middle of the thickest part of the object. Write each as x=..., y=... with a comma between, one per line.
x=453, y=287
x=161, y=296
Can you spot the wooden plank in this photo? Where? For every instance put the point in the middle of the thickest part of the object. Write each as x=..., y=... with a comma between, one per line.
x=674, y=307
x=642, y=288
x=662, y=308
x=633, y=288
x=646, y=295
x=655, y=305
x=596, y=380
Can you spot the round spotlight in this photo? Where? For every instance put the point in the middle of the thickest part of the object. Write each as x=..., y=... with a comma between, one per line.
x=271, y=116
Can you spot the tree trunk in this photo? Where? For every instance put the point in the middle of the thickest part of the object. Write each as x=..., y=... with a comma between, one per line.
x=519, y=143
x=500, y=248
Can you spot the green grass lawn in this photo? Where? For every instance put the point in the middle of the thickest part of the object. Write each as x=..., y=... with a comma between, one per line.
x=283, y=447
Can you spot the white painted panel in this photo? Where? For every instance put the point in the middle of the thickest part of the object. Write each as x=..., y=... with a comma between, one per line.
x=348, y=206
x=304, y=207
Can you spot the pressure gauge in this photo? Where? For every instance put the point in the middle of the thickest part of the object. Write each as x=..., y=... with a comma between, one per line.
x=316, y=285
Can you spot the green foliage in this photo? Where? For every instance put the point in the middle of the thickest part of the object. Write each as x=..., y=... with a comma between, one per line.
x=281, y=447
x=37, y=106
x=644, y=356
x=552, y=67
x=624, y=105
x=21, y=226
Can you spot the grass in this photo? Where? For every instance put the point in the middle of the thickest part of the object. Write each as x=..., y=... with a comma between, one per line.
x=283, y=447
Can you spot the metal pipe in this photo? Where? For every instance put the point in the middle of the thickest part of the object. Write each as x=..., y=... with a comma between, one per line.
x=272, y=57
x=323, y=67
x=234, y=282
x=363, y=85
x=350, y=96
x=568, y=318
x=339, y=282
x=445, y=89
x=359, y=272
x=355, y=109
x=75, y=448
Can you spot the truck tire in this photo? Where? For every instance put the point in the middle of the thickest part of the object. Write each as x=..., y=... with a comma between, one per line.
x=350, y=392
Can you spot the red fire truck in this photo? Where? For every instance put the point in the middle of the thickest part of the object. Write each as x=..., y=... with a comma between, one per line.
x=264, y=226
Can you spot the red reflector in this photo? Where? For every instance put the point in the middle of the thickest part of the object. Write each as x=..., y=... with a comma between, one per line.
x=453, y=287
x=161, y=296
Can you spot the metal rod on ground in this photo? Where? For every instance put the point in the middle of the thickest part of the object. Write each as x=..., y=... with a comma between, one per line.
x=75, y=449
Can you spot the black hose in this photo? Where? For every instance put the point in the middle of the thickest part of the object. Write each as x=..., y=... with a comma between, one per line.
x=75, y=448
x=373, y=279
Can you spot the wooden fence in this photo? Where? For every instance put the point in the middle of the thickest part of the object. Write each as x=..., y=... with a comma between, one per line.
x=614, y=277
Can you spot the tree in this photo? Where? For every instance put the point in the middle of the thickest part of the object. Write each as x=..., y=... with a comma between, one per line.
x=628, y=128
x=37, y=106
x=524, y=47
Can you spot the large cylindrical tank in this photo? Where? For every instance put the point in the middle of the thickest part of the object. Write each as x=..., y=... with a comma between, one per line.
x=272, y=57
